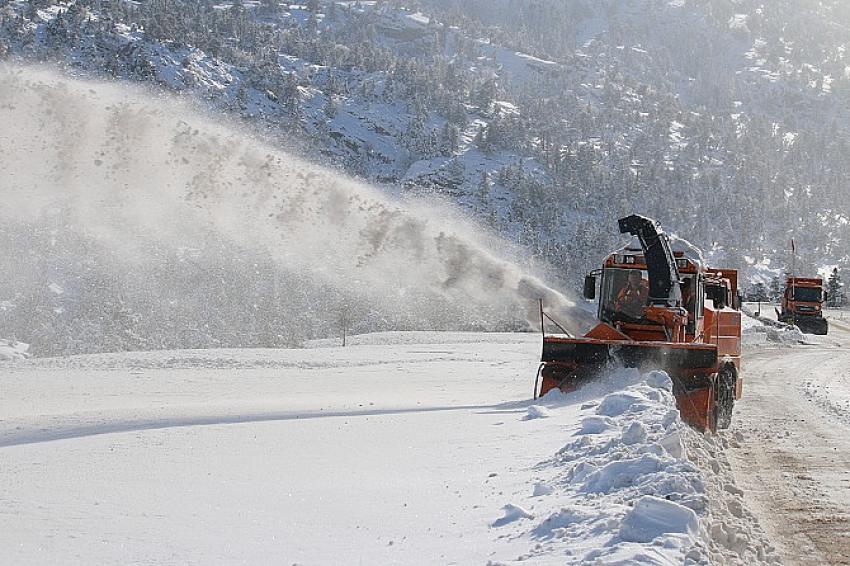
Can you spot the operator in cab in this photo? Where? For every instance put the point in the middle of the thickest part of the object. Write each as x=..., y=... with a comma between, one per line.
x=633, y=296
x=688, y=297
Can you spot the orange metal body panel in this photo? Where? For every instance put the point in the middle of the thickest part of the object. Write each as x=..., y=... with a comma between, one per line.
x=695, y=408
x=604, y=331
x=723, y=328
x=643, y=332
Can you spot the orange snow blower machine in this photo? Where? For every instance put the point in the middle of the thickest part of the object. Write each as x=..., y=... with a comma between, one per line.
x=660, y=307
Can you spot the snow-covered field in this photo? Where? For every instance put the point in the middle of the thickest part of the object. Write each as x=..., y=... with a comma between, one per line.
x=402, y=448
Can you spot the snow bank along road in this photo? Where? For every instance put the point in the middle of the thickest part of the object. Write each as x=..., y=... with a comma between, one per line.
x=791, y=445
x=410, y=448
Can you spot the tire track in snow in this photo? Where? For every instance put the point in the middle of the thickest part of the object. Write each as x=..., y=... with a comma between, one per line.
x=17, y=434
x=67, y=427
x=792, y=457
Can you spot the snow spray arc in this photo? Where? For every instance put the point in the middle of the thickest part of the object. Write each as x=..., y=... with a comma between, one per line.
x=139, y=173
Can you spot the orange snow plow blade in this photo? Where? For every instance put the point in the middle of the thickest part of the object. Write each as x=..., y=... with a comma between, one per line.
x=569, y=362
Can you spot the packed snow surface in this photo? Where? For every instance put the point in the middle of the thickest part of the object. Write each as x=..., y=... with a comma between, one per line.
x=394, y=448
x=760, y=328
x=788, y=446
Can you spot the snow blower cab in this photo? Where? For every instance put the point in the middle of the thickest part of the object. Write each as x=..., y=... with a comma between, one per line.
x=802, y=304
x=659, y=307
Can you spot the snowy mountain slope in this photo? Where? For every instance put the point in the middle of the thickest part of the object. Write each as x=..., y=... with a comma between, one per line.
x=402, y=447
x=545, y=120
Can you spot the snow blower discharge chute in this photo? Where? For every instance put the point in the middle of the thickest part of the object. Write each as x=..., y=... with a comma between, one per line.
x=659, y=308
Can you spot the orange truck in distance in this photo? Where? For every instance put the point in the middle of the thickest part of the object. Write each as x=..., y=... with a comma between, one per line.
x=802, y=304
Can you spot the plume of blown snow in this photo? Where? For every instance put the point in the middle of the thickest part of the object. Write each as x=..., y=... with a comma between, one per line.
x=139, y=173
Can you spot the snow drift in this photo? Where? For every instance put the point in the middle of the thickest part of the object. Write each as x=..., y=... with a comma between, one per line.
x=634, y=485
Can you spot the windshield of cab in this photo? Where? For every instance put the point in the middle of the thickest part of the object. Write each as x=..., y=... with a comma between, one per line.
x=624, y=293
x=808, y=294
x=623, y=296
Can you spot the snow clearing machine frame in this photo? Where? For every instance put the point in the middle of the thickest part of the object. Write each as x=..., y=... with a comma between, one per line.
x=802, y=304
x=685, y=320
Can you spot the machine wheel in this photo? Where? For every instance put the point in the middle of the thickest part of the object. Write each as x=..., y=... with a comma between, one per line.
x=724, y=394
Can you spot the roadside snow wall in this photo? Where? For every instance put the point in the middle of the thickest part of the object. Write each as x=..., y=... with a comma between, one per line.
x=625, y=489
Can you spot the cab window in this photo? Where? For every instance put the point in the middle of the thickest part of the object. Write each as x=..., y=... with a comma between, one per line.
x=623, y=295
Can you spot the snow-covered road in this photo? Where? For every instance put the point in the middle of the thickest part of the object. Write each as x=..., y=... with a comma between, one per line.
x=791, y=446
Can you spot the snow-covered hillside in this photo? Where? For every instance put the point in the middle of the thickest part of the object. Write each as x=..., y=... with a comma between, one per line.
x=396, y=448
x=544, y=121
